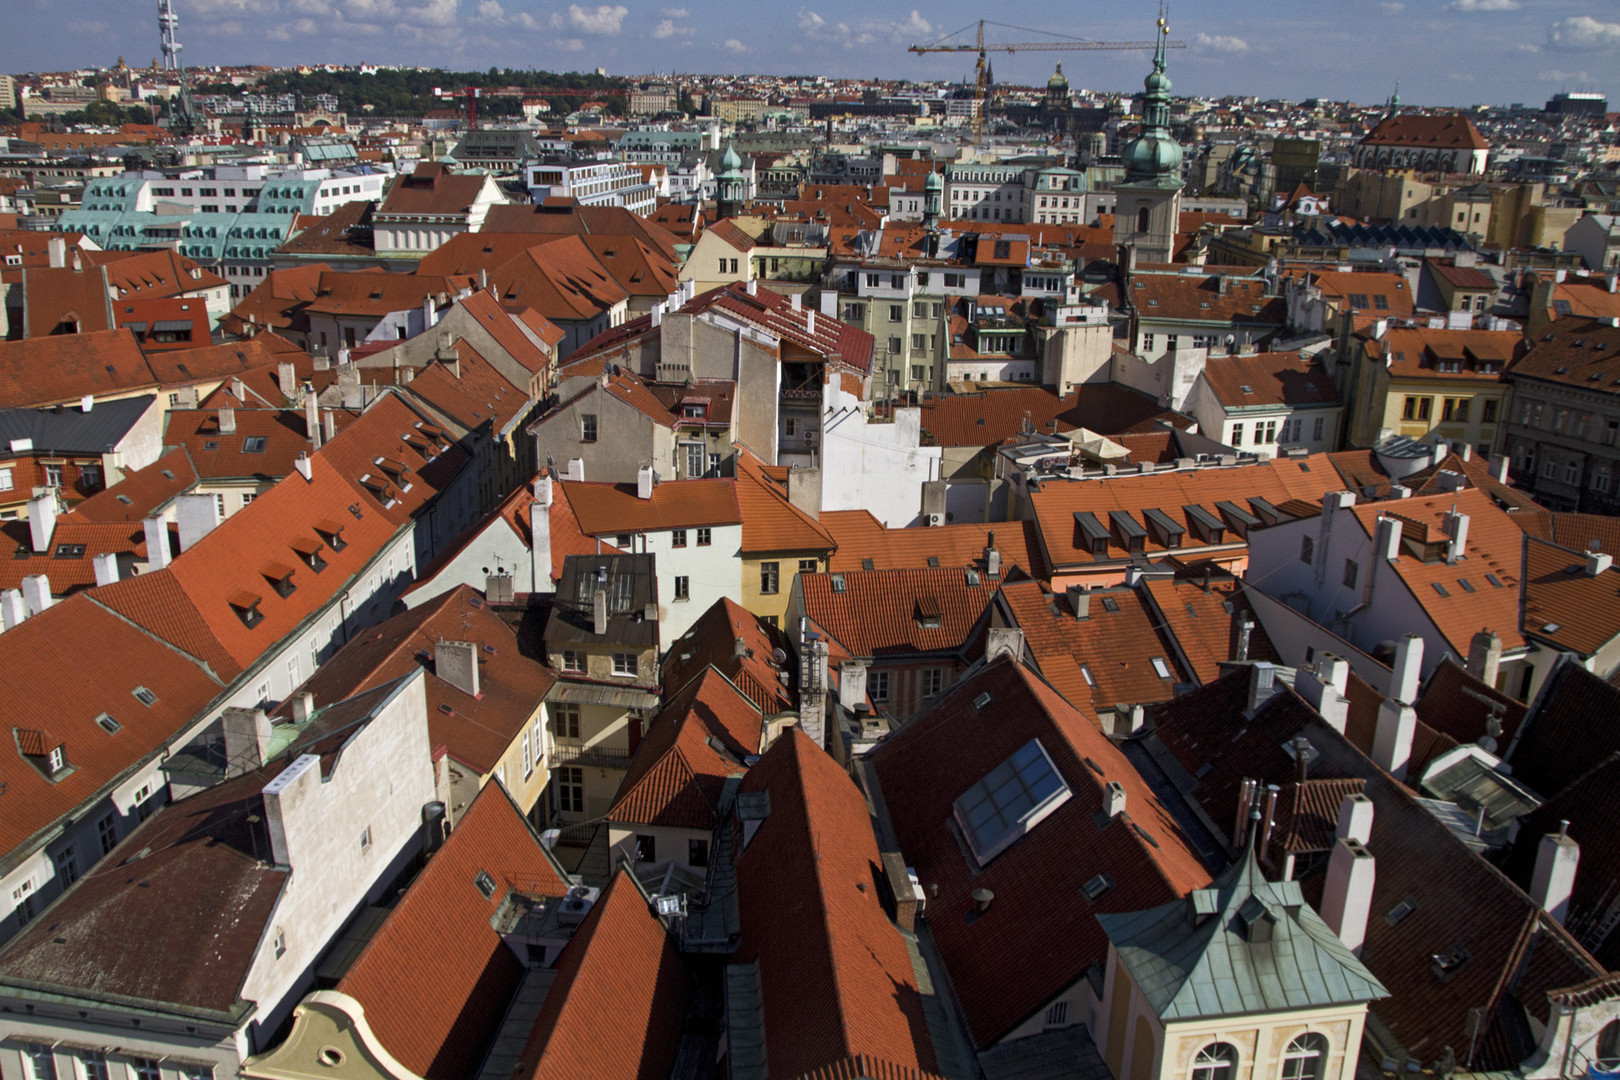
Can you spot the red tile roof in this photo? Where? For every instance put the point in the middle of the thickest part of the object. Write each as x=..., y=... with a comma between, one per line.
x=1040, y=934
x=67, y=702
x=1116, y=648
x=1269, y=379
x=219, y=455
x=563, y=280
x=770, y=522
x=1462, y=707
x=841, y=985
x=611, y=509
x=878, y=613
x=65, y=367
x=860, y=537
x=72, y=572
x=1445, y=131
x=676, y=776
x=621, y=964
x=990, y=416
x=437, y=978
x=146, y=490
x=1199, y=622
x=433, y=189
x=1576, y=352
x=1215, y=298
x=1564, y=606
x=711, y=641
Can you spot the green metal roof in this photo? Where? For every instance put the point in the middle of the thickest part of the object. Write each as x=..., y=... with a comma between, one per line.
x=1243, y=945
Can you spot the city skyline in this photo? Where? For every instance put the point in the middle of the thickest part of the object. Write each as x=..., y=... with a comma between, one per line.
x=1489, y=52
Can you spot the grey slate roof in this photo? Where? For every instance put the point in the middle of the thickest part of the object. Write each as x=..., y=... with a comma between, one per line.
x=70, y=430
x=1221, y=967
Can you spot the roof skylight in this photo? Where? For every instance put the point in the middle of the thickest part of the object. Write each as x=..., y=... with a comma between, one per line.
x=1012, y=799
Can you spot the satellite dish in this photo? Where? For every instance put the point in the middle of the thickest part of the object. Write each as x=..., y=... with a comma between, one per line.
x=779, y=656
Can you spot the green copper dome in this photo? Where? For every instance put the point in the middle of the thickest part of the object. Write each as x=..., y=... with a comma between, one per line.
x=1154, y=156
x=729, y=161
x=1057, y=79
x=935, y=182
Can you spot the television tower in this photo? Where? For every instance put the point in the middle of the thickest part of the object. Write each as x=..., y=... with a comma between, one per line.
x=168, y=24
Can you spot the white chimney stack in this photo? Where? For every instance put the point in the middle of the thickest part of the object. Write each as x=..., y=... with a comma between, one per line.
x=12, y=609
x=1408, y=669
x=157, y=542
x=312, y=417
x=1557, y=857
x=456, y=662
x=1389, y=538
x=106, y=566
x=810, y=321
x=87, y=403
x=42, y=521
x=1323, y=688
x=540, y=540
x=1457, y=528
x=1597, y=562
x=36, y=593
x=644, y=482
x=1262, y=683
x=227, y=421
x=576, y=470
x=1348, y=892
x=1114, y=799
x=305, y=467
x=1355, y=818
x=197, y=516
x=796, y=301
x=1392, y=741
x=56, y=246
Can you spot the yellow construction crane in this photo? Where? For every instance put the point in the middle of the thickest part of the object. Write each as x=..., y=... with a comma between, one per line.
x=981, y=47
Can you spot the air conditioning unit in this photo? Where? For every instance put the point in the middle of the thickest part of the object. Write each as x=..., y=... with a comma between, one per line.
x=576, y=905
x=811, y=437
x=933, y=519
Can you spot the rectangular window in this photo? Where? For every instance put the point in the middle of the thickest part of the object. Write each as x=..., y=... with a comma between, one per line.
x=697, y=853
x=807, y=566
x=571, y=790
x=67, y=865
x=624, y=664
x=683, y=588
x=41, y=1060
x=919, y=342
x=565, y=720
x=93, y=1065
x=365, y=840
x=1351, y=569
x=704, y=537
x=23, y=905
x=694, y=460
x=107, y=833
x=1237, y=434
x=528, y=758
x=146, y=1069
x=897, y=312
x=877, y=686
x=1147, y=342
x=53, y=476
x=6, y=482
x=677, y=538
x=573, y=660
x=933, y=681
x=769, y=575
x=587, y=427
x=1307, y=550
x=1316, y=428
x=1488, y=411
x=646, y=848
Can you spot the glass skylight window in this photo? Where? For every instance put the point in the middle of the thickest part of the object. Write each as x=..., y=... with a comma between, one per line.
x=1012, y=799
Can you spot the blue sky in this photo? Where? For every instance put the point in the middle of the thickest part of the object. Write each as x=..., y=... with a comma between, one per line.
x=1443, y=51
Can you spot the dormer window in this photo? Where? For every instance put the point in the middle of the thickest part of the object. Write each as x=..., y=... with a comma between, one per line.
x=396, y=471
x=48, y=753
x=246, y=606
x=332, y=533
x=280, y=577
x=309, y=553
x=928, y=613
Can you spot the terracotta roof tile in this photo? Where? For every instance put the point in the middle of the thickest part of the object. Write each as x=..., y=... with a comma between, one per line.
x=1451, y=704
x=65, y=367
x=988, y=417
x=1592, y=364
x=1574, y=721
x=875, y=613
x=436, y=979
x=604, y=509
x=620, y=963
x=861, y=537
x=844, y=984
x=1243, y=301
x=711, y=641
x=1269, y=379
x=676, y=776
x=770, y=522
x=1444, y=131
x=1205, y=631
x=1566, y=606
x=1040, y=934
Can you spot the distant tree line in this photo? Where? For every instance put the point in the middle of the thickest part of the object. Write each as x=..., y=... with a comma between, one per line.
x=410, y=93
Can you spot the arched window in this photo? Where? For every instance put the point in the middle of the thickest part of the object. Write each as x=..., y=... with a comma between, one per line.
x=1305, y=1057
x=1607, y=1057
x=1217, y=1061
x=1142, y=220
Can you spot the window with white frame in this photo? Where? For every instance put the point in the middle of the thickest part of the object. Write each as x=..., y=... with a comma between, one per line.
x=23, y=902
x=570, y=789
x=877, y=685
x=1217, y=1061
x=933, y=681
x=565, y=720
x=93, y=1065
x=1304, y=1058
x=625, y=663
x=40, y=1061
x=528, y=759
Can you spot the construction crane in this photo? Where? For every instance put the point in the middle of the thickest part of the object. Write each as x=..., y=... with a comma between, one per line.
x=473, y=93
x=981, y=47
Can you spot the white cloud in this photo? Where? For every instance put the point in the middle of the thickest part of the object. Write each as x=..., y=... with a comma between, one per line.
x=666, y=28
x=491, y=11
x=433, y=13
x=914, y=26
x=1484, y=5
x=675, y=13
x=1584, y=32
x=867, y=32
x=1222, y=43
x=733, y=45
x=295, y=29
x=810, y=22
x=602, y=19
x=1558, y=76
x=571, y=44
x=1394, y=8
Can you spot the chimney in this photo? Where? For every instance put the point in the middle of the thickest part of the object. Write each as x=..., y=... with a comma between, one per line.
x=1323, y=687
x=1348, y=893
x=157, y=542
x=1248, y=792
x=227, y=421
x=1262, y=683
x=796, y=302
x=1596, y=562
x=36, y=593
x=810, y=321
x=1399, y=491
x=1499, y=468
x=305, y=467
x=658, y=314
x=247, y=738
x=992, y=562
x=87, y=403
x=1114, y=799
x=1408, y=668
x=291, y=811
x=851, y=684
x=429, y=314
x=1389, y=538
x=1302, y=759
x=287, y=380
x=753, y=287
x=1240, y=652
x=12, y=608
x=1268, y=821
x=312, y=418
x=1080, y=601
x=1355, y=818
x=644, y=482
x=1392, y=741
x=238, y=389
x=56, y=246
x=982, y=899
x=1557, y=857
x=303, y=707
x=1466, y=451
x=456, y=662
x=540, y=542
x=329, y=424
x=42, y=521
x=599, y=611
x=197, y=516
x=1447, y=480
x=576, y=470
x=1485, y=657
x=106, y=567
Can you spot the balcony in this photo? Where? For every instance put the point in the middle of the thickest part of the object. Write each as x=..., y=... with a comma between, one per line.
x=597, y=756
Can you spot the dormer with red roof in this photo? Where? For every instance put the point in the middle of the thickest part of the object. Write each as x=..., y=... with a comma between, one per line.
x=1447, y=142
